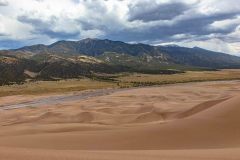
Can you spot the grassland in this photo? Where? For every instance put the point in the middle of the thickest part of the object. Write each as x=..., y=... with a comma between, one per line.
x=189, y=76
x=116, y=81
x=43, y=87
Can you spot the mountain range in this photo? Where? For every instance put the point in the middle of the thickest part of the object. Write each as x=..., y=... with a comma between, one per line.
x=71, y=59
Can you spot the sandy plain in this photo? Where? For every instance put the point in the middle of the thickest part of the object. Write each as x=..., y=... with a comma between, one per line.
x=192, y=121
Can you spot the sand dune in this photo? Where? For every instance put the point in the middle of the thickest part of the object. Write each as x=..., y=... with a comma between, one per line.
x=192, y=123
x=151, y=116
x=200, y=107
x=217, y=127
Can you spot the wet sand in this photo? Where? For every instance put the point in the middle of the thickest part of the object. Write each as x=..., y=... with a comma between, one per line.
x=175, y=122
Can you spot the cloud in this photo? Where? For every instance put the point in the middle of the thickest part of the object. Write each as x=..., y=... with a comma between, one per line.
x=53, y=27
x=3, y=3
x=156, y=11
x=150, y=21
x=214, y=44
x=225, y=25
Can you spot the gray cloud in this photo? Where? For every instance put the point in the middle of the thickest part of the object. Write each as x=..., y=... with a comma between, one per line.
x=46, y=27
x=3, y=3
x=196, y=26
x=166, y=11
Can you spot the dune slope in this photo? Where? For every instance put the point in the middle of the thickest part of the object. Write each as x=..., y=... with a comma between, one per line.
x=216, y=127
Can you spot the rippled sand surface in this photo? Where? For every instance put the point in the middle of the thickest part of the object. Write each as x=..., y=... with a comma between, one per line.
x=175, y=122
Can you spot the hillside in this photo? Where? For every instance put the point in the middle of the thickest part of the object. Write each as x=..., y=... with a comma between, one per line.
x=200, y=57
x=17, y=69
x=162, y=54
x=71, y=59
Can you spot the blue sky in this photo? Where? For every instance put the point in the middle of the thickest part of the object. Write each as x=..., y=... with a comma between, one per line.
x=210, y=24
